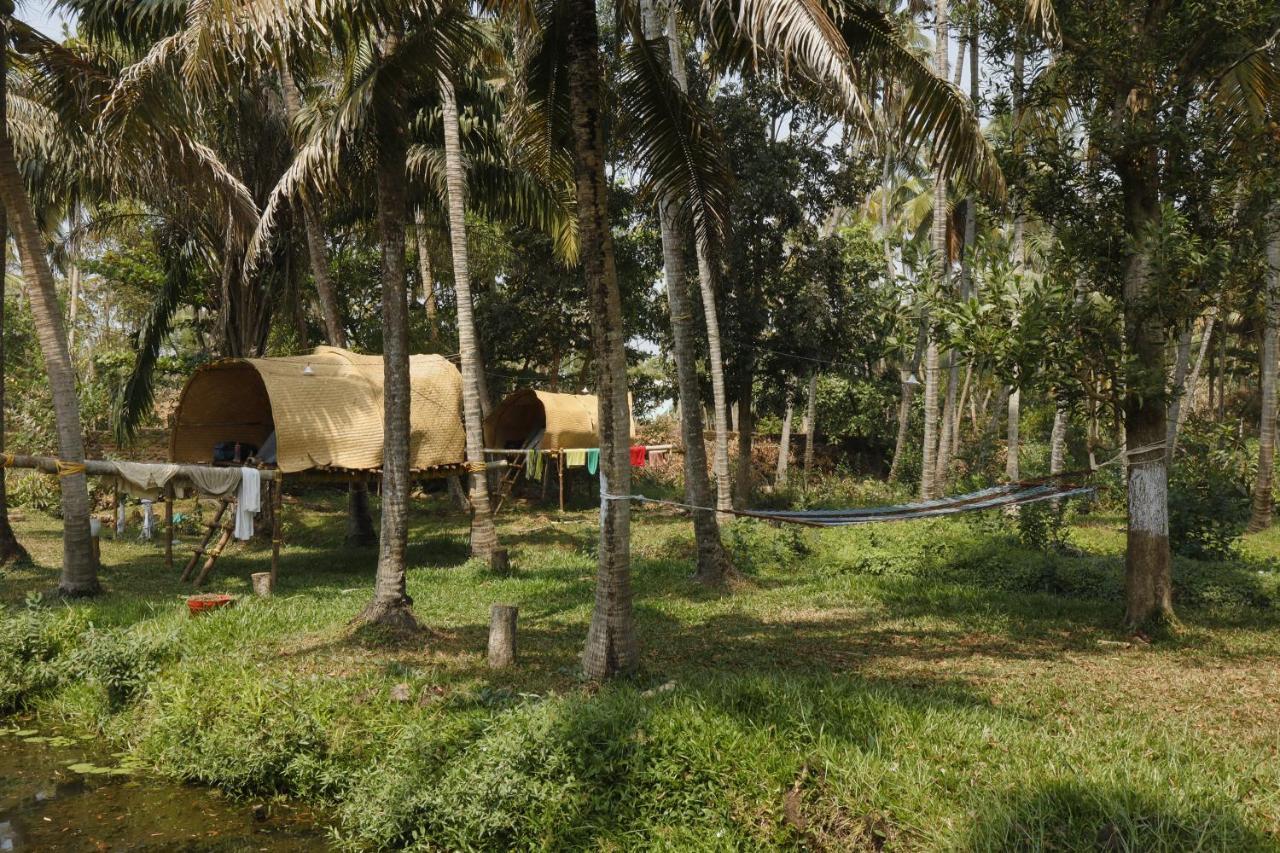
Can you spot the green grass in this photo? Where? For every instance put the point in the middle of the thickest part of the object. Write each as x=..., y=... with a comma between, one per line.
x=923, y=686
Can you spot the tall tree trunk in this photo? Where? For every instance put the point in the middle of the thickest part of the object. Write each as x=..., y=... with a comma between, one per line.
x=810, y=424
x=612, y=647
x=784, y=444
x=904, y=426
x=938, y=242
x=713, y=561
x=1178, y=388
x=947, y=425
x=1012, y=471
x=484, y=537
x=428, y=279
x=79, y=569
x=391, y=605
x=11, y=549
x=1262, y=507
x=359, y=520
x=1186, y=402
x=73, y=280
x=1148, y=583
x=746, y=428
x=1058, y=438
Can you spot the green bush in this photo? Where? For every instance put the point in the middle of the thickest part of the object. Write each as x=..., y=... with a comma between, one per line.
x=1042, y=526
x=32, y=641
x=34, y=491
x=119, y=662
x=755, y=545
x=1209, y=493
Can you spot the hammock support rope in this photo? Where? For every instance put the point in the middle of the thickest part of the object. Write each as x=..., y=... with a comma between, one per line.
x=994, y=497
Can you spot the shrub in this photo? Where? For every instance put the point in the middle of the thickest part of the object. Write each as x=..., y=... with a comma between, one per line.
x=755, y=545
x=119, y=662
x=1209, y=493
x=1042, y=526
x=31, y=643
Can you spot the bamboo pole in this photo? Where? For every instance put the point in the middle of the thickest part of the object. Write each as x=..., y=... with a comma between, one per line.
x=213, y=556
x=560, y=477
x=168, y=527
x=277, y=526
x=204, y=543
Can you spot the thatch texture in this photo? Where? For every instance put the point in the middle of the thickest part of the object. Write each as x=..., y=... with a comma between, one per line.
x=569, y=420
x=329, y=417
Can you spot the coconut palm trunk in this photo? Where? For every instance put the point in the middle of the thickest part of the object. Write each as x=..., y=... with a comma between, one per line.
x=427, y=275
x=11, y=549
x=929, y=485
x=611, y=647
x=1262, y=503
x=391, y=605
x=359, y=520
x=484, y=537
x=713, y=562
x=1058, y=438
x=79, y=569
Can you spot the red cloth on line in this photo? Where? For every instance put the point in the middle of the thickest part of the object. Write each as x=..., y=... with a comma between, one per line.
x=637, y=456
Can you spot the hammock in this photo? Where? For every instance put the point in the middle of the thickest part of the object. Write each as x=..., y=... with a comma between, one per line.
x=1010, y=494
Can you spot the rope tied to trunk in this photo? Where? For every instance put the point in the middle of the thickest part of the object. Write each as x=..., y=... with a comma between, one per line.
x=69, y=469
x=6, y=459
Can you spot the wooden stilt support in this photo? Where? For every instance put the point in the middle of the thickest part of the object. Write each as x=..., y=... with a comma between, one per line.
x=277, y=526
x=168, y=527
x=210, y=529
x=560, y=476
x=214, y=554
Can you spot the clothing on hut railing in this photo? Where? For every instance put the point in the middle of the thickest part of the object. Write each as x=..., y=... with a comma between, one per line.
x=593, y=460
x=144, y=479
x=120, y=518
x=638, y=453
x=148, y=519
x=248, y=503
x=535, y=461
x=656, y=456
x=575, y=458
x=215, y=482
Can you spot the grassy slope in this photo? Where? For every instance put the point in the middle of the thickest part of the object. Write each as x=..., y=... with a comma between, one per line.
x=898, y=682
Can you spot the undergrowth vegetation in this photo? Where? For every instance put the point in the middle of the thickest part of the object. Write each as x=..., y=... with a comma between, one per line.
x=946, y=684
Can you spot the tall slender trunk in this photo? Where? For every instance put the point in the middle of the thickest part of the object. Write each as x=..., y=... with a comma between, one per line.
x=1148, y=583
x=484, y=537
x=947, y=424
x=938, y=242
x=73, y=280
x=904, y=426
x=11, y=549
x=784, y=444
x=1262, y=507
x=612, y=647
x=391, y=605
x=1058, y=438
x=1012, y=471
x=713, y=561
x=428, y=278
x=746, y=428
x=1186, y=401
x=79, y=569
x=810, y=424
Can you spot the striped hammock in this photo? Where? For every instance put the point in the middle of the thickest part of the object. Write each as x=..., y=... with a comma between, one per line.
x=1009, y=494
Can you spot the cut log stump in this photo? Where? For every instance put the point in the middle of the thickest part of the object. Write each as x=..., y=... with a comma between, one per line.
x=502, y=635
x=262, y=584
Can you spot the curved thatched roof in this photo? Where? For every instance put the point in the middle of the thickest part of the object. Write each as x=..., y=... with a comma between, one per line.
x=327, y=416
x=569, y=420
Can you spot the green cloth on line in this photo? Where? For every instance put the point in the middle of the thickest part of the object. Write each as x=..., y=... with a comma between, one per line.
x=575, y=458
x=593, y=460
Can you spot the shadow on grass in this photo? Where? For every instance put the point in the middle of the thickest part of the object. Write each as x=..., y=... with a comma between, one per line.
x=1075, y=816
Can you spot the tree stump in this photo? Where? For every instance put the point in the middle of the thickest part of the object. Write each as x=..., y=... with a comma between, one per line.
x=502, y=635
x=500, y=561
x=261, y=584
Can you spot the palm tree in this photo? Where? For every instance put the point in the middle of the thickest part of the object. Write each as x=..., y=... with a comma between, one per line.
x=713, y=561
x=79, y=569
x=11, y=549
x=1262, y=503
x=941, y=257
x=484, y=538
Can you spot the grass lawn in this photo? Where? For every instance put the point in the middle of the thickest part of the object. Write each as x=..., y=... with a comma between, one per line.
x=921, y=686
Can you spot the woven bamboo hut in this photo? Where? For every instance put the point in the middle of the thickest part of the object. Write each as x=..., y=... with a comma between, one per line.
x=322, y=411
x=567, y=421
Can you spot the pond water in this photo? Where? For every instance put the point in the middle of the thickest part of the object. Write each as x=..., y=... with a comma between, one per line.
x=45, y=805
